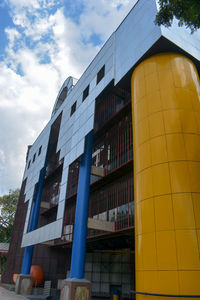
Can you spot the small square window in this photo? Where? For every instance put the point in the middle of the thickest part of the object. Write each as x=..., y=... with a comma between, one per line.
x=73, y=109
x=34, y=156
x=86, y=93
x=40, y=150
x=29, y=163
x=100, y=74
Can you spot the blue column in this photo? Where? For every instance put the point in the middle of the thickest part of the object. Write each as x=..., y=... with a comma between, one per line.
x=28, y=254
x=81, y=217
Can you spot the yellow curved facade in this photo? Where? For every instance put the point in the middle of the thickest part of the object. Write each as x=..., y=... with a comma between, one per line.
x=166, y=129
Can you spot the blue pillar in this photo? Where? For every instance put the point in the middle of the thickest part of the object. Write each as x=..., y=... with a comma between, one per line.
x=28, y=254
x=81, y=217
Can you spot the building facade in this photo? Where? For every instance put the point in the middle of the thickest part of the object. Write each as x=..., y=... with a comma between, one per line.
x=140, y=97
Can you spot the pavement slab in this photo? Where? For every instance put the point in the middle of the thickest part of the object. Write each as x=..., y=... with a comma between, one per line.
x=8, y=295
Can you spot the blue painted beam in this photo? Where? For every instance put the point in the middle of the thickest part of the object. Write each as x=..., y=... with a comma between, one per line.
x=28, y=254
x=81, y=217
x=37, y=200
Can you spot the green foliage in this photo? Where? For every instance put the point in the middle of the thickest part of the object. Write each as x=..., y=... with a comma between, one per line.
x=186, y=11
x=8, y=205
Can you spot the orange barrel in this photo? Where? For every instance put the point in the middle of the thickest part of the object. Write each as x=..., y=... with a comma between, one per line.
x=37, y=274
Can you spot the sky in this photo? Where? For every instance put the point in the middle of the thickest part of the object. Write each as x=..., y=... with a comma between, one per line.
x=42, y=42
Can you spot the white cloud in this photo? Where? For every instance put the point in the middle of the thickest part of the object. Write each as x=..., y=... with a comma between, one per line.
x=102, y=16
x=32, y=4
x=12, y=35
x=45, y=47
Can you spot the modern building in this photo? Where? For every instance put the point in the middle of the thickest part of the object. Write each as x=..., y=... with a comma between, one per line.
x=143, y=217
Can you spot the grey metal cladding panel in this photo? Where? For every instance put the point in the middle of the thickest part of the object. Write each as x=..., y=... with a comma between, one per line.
x=94, y=66
x=135, y=36
x=32, y=174
x=182, y=37
x=43, y=234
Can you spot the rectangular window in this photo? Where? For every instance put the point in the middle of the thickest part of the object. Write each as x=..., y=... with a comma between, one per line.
x=40, y=150
x=73, y=109
x=86, y=93
x=29, y=163
x=100, y=74
x=34, y=156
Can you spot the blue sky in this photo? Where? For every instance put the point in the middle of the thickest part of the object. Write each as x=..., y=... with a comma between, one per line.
x=6, y=21
x=42, y=42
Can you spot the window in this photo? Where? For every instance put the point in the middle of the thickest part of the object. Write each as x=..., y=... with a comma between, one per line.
x=29, y=163
x=73, y=109
x=40, y=150
x=86, y=93
x=100, y=74
x=34, y=156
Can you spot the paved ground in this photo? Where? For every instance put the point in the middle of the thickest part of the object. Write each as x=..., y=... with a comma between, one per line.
x=8, y=295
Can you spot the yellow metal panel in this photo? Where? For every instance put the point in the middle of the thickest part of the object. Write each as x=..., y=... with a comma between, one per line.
x=187, y=250
x=171, y=278
x=142, y=297
x=139, y=255
x=198, y=122
x=156, y=124
x=141, y=110
x=147, y=208
x=161, y=179
x=183, y=211
x=145, y=184
x=184, y=97
x=189, y=282
x=168, y=98
x=149, y=251
x=175, y=147
x=179, y=81
x=166, y=124
x=194, y=172
x=187, y=80
x=150, y=67
x=139, y=281
x=138, y=218
x=158, y=150
x=151, y=82
x=164, y=213
x=166, y=250
x=156, y=105
x=142, y=132
x=196, y=205
x=184, y=74
x=165, y=79
x=188, y=121
x=195, y=103
x=163, y=62
x=192, y=146
x=180, y=179
x=150, y=281
x=144, y=157
x=139, y=88
x=172, y=121
x=198, y=237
